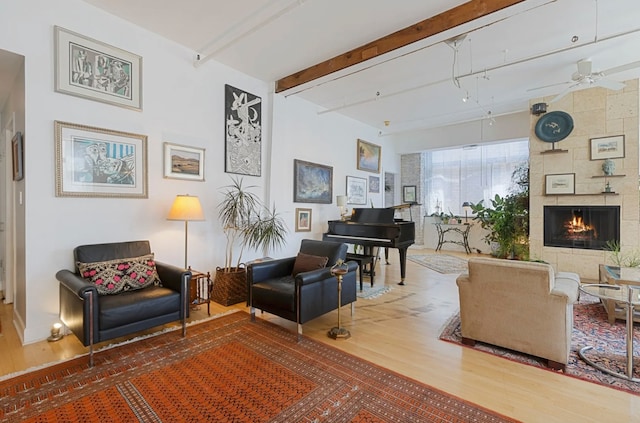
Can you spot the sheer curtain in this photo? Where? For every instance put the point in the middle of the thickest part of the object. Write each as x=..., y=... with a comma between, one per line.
x=475, y=173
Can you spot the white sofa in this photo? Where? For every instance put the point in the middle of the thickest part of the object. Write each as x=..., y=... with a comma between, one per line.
x=519, y=305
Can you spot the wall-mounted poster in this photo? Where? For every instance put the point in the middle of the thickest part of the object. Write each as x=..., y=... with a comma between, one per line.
x=92, y=69
x=356, y=190
x=312, y=182
x=374, y=184
x=243, y=132
x=369, y=156
x=97, y=162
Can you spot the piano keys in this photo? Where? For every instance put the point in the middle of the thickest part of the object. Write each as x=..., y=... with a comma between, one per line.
x=375, y=227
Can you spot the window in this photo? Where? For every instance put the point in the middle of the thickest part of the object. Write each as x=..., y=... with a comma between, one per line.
x=475, y=173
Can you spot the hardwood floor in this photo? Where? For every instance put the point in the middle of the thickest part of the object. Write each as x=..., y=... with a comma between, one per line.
x=399, y=331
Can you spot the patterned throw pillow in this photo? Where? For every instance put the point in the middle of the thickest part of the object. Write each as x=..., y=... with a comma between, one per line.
x=115, y=276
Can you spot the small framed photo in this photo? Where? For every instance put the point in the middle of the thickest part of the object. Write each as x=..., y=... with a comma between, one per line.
x=374, y=184
x=303, y=220
x=91, y=69
x=96, y=162
x=409, y=194
x=562, y=183
x=356, y=190
x=182, y=162
x=17, y=156
x=607, y=147
x=369, y=156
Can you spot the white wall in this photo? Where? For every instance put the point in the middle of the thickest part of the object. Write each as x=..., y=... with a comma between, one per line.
x=329, y=139
x=181, y=104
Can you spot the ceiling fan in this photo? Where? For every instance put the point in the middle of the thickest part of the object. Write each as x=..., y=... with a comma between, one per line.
x=584, y=77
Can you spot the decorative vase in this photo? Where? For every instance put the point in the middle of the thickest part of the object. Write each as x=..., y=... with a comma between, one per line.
x=608, y=167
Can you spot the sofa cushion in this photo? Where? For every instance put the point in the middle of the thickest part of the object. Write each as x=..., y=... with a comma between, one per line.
x=307, y=262
x=115, y=276
x=135, y=306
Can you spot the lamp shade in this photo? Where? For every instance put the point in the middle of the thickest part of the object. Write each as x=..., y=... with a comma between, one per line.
x=186, y=208
x=341, y=200
x=466, y=205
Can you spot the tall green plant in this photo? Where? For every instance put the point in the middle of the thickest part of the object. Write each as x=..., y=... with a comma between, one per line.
x=507, y=219
x=247, y=222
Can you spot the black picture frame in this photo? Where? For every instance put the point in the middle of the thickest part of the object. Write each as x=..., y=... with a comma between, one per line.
x=17, y=156
x=409, y=194
x=312, y=182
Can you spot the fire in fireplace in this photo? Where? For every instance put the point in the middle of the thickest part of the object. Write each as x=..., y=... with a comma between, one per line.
x=586, y=227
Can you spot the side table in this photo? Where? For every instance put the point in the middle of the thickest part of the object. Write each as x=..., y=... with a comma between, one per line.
x=461, y=229
x=629, y=296
x=200, y=287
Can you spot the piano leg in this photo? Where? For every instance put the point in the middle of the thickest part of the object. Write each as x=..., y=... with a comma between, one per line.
x=386, y=255
x=403, y=264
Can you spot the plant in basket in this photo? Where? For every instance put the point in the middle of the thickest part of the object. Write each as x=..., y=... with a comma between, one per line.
x=246, y=222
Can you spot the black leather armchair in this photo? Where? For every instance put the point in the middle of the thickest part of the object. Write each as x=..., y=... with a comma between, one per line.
x=95, y=318
x=273, y=288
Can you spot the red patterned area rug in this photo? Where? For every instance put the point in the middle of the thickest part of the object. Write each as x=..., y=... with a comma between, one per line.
x=228, y=370
x=590, y=328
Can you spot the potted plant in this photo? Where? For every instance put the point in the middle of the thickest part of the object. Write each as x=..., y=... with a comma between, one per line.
x=246, y=222
x=507, y=219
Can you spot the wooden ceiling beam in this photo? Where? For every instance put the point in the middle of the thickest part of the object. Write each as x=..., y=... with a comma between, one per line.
x=459, y=15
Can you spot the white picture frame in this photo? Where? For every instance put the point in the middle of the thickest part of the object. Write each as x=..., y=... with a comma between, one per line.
x=356, y=190
x=183, y=162
x=559, y=184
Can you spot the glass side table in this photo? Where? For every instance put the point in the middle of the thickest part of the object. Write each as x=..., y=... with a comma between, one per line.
x=629, y=296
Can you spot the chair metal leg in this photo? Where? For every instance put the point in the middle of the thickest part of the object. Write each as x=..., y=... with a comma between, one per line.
x=253, y=314
x=299, y=331
x=90, y=294
x=353, y=308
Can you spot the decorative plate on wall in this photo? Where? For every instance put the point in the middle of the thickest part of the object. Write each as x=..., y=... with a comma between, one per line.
x=554, y=126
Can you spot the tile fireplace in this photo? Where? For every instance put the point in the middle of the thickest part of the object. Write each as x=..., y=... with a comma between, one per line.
x=585, y=227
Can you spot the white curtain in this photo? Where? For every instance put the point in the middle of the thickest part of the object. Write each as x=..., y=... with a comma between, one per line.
x=471, y=174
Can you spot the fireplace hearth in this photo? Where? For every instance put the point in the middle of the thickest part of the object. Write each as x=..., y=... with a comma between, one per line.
x=586, y=227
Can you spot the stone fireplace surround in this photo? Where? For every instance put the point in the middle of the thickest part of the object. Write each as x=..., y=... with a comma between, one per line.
x=596, y=112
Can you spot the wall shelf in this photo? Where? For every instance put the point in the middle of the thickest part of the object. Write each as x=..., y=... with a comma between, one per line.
x=581, y=195
x=608, y=176
x=554, y=151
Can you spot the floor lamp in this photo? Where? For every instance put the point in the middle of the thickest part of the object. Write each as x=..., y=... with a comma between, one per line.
x=187, y=208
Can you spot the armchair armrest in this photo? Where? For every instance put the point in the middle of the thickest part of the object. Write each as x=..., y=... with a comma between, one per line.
x=172, y=276
x=262, y=271
x=75, y=283
x=306, y=278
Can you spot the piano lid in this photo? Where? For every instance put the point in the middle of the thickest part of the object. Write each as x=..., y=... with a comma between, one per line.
x=372, y=215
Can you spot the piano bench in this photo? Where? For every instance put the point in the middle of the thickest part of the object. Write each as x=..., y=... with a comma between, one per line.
x=362, y=261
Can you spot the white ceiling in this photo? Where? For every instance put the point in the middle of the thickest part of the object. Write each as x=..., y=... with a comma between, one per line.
x=498, y=64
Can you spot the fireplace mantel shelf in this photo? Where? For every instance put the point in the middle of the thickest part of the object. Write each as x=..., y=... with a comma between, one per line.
x=576, y=195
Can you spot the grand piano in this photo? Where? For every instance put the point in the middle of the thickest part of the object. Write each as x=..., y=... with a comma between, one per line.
x=375, y=227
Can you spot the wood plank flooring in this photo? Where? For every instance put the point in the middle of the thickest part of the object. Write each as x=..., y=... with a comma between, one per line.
x=399, y=331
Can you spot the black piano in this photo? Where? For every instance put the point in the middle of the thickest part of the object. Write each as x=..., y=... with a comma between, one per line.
x=375, y=227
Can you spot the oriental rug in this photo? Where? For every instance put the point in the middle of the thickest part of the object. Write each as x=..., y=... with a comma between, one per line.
x=228, y=369
x=442, y=263
x=590, y=327
x=369, y=292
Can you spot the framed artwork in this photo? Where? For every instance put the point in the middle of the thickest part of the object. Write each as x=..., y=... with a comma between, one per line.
x=356, y=190
x=91, y=69
x=17, y=156
x=374, y=184
x=562, y=183
x=303, y=220
x=243, y=132
x=607, y=147
x=369, y=156
x=312, y=182
x=409, y=194
x=96, y=162
x=182, y=162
